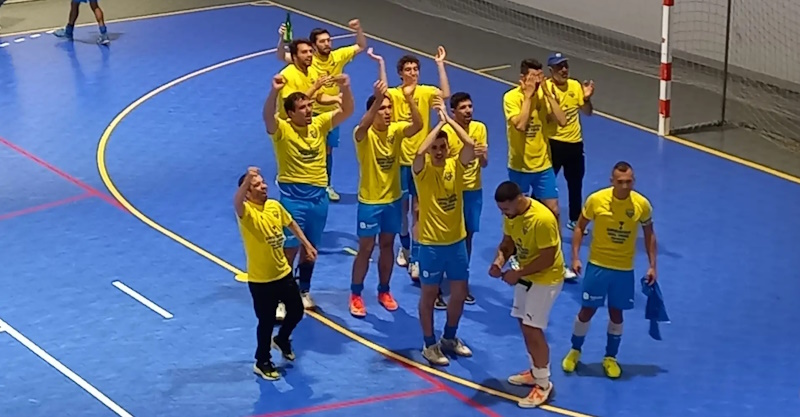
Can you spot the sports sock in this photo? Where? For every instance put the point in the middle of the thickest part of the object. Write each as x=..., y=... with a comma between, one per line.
x=450, y=332
x=304, y=271
x=579, y=331
x=429, y=341
x=329, y=165
x=356, y=289
x=383, y=288
x=69, y=29
x=103, y=29
x=405, y=241
x=614, y=339
x=541, y=376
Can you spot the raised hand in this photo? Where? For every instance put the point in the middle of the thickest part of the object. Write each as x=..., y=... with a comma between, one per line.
x=371, y=54
x=495, y=271
x=588, y=89
x=282, y=30
x=354, y=24
x=323, y=80
x=480, y=150
x=278, y=82
x=342, y=79
x=529, y=85
x=408, y=90
x=379, y=88
x=440, y=55
x=252, y=172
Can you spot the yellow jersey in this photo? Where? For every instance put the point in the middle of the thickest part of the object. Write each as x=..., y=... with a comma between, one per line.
x=295, y=81
x=472, y=172
x=616, y=227
x=300, y=151
x=378, y=156
x=440, y=191
x=401, y=112
x=333, y=65
x=261, y=228
x=528, y=151
x=534, y=230
x=570, y=99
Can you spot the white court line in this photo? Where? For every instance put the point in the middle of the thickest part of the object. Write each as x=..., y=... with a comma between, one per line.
x=18, y=40
x=142, y=299
x=35, y=35
x=495, y=68
x=4, y=44
x=94, y=392
x=129, y=19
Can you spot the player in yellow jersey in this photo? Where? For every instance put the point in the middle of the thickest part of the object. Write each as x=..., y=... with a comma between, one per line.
x=301, y=76
x=617, y=211
x=439, y=180
x=408, y=68
x=378, y=142
x=531, y=231
x=330, y=62
x=566, y=143
x=299, y=143
x=461, y=106
x=269, y=273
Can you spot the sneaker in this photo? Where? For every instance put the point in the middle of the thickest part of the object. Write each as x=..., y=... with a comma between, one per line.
x=308, y=302
x=469, y=300
x=357, y=308
x=611, y=367
x=267, y=371
x=524, y=378
x=103, y=39
x=440, y=304
x=280, y=312
x=402, y=258
x=537, y=397
x=413, y=271
x=387, y=301
x=570, y=361
x=571, y=226
x=333, y=195
x=62, y=33
x=284, y=347
x=435, y=356
x=569, y=274
x=456, y=346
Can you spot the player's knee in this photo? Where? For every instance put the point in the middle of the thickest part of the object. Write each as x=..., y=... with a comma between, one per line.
x=386, y=244
x=552, y=204
x=586, y=314
x=615, y=315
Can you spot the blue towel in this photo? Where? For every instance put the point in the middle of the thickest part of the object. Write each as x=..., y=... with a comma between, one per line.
x=655, y=311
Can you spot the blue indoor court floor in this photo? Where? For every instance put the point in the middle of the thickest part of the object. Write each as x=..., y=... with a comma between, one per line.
x=118, y=165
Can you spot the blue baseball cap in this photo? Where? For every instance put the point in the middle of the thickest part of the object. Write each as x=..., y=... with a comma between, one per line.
x=556, y=58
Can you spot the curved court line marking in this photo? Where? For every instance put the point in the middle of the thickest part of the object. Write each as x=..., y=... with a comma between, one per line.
x=676, y=139
x=103, y=171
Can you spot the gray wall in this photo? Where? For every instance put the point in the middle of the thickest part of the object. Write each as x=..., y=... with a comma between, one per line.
x=765, y=33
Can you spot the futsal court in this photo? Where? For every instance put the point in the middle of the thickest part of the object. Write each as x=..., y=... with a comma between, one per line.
x=119, y=250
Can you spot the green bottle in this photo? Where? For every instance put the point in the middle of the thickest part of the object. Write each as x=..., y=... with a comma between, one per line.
x=287, y=36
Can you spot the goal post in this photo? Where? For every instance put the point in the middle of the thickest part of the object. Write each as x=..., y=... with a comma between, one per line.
x=665, y=71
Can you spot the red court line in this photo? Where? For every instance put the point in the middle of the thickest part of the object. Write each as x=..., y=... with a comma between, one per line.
x=441, y=386
x=352, y=403
x=85, y=187
x=44, y=206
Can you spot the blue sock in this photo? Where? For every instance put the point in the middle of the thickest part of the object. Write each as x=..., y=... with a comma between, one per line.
x=382, y=288
x=356, y=289
x=414, y=251
x=430, y=341
x=612, y=345
x=329, y=165
x=304, y=271
x=405, y=241
x=69, y=29
x=103, y=29
x=450, y=332
x=577, y=342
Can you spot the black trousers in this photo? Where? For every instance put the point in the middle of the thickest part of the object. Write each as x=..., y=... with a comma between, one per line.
x=570, y=157
x=265, y=300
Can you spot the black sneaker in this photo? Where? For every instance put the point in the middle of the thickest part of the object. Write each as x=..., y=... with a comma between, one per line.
x=267, y=371
x=440, y=304
x=284, y=347
x=469, y=300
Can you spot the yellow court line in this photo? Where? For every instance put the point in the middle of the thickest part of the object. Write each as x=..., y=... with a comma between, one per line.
x=129, y=19
x=676, y=139
x=238, y=273
x=495, y=68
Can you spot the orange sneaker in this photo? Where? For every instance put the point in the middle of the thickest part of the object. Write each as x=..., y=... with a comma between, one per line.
x=357, y=308
x=387, y=301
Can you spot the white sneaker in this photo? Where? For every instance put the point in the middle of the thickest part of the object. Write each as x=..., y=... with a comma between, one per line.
x=402, y=258
x=280, y=312
x=435, y=356
x=413, y=270
x=537, y=397
x=569, y=274
x=456, y=346
x=308, y=302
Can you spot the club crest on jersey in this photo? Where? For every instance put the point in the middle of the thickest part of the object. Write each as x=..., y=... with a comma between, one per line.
x=629, y=213
x=571, y=94
x=313, y=133
x=448, y=176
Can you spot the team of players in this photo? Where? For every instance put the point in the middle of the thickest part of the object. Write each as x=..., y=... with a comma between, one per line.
x=403, y=156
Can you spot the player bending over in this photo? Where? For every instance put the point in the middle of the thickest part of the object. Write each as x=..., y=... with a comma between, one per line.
x=443, y=251
x=299, y=143
x=269, y=273
x=378, y=142
x=329, y=62
x=617, y=212
x=531, y=230
x=74, y=10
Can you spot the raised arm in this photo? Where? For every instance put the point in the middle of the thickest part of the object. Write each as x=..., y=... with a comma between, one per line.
x=416, y=117
x=467, y=153
x=241, y=193
x=444, y=83
x=282, y=54
x=419, y=159
x=588, y=92
x=529, y=86
x=347, y=106
x=381, y=66
x=361, y=38
x=379, y=92
x=556, y=111
x=270, y=109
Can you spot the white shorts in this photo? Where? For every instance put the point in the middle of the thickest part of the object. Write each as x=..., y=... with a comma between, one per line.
x=532, y=305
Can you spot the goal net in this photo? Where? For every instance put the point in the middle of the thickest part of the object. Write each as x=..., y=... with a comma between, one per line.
x=741, y=60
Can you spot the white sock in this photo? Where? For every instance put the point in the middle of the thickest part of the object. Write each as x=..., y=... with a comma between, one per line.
x=541, y=376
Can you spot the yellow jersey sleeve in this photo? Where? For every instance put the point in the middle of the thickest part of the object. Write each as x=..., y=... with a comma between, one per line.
x=333, y=66
x=646, y=216
x=423, y=97
x=343, y=56
x=512, y=104
x=588, y=207
x=547, y=233
x=279, y=134
x=570, y=99
x=324, y=123
x=472, y=172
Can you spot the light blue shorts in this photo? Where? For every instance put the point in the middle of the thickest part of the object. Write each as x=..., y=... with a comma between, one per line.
x=473, y=205
x=311, y=214
x=379, y=218
x=540, y=185
x=599, y=283
x=445, y=261
x=333, y=138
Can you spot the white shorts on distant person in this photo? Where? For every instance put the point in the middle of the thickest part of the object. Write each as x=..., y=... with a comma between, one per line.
x=532, y=304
